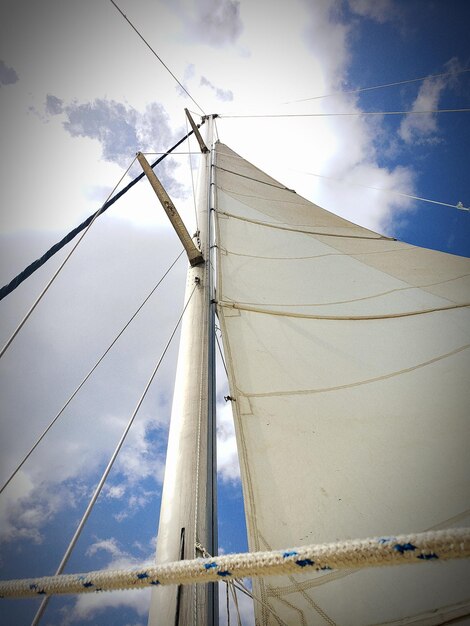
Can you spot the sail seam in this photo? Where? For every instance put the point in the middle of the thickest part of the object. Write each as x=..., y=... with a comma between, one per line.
x=308, y=584
x=371, y=297
x=296, y=201
x=297, y=392
x=447, y=611
x=256, y=180
x=299, y=230
x=228, y=252
x=253, y=309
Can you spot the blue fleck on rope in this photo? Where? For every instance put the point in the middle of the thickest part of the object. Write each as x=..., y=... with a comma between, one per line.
x=352, y=554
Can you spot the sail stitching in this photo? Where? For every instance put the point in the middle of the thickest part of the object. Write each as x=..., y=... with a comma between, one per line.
x=299, y=230
x=252, y=309
x=448, y=612
x=295, y=392
x=299, y=612
x=256, y=180
x=238, y=584
x=371, y=297
x=227, y=252
x=297, y=202
x=308, y=584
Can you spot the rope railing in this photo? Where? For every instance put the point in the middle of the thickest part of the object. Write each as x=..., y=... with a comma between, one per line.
x=423, y=547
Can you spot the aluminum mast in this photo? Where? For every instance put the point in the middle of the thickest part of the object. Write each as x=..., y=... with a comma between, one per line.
x=188, y=508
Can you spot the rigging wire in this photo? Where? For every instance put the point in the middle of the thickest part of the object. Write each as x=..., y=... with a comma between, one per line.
x=221, y=355
x=106, y=472
x=174, y=153
x=398, y=193
x=192, y=177
x=41, y=437
x=235, y=601
x=400, y=82
x=227, y=601
x=351, y=114
x=156, y=55
x=238, y=584
x=56, y=273
x=32, y=267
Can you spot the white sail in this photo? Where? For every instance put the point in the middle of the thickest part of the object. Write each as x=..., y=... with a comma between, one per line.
x=348, y=362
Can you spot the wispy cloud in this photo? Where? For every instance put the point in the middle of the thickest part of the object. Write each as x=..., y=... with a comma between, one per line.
x=24, y=513
x=54, y=477
x=121, y=131
x=378, y=10
x=8, y=76
x=222, y=94
x=227, y=456
x=423, y=127
x=87, y=606
x=213, y=22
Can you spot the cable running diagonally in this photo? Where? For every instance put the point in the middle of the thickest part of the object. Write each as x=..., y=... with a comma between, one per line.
x=398, y=193
x=13, y=284
x=56, y=273
x=361, y=89
x=351, y=114
x=106, y=472
x=41, y=437
x=192, y=176
x=153, y=52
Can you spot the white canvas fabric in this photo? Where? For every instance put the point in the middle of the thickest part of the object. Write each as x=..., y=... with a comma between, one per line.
x=348, y=358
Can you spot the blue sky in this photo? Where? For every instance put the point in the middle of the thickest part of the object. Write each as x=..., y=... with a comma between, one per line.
x=79, y=95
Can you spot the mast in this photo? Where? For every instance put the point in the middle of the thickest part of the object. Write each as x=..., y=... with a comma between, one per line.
x=188, y=519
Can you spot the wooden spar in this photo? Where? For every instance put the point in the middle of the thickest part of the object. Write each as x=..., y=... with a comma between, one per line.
x=188, y=503
x=197, y=134
x=194, y=255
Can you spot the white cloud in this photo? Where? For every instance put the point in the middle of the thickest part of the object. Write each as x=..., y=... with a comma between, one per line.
x=25, y=510
x=106, y=545
x=327, y=37
x=423, y=127
x=121, y=131
x=115, y=491
x=225, y=95
x=214, y=22
x=110, y=110
x=88, y=606
x=62, y=341
x=227, y=456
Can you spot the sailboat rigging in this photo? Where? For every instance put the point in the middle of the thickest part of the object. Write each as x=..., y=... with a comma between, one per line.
x=346, y=351
x=347, y=354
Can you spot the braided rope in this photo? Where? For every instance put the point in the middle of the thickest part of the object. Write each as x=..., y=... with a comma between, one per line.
x=354, y=554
